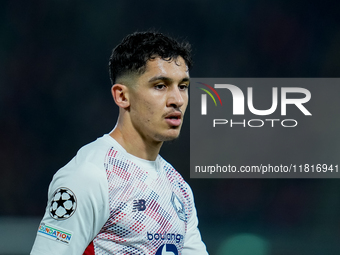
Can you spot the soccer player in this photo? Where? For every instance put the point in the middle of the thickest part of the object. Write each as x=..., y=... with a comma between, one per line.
x=118, y=195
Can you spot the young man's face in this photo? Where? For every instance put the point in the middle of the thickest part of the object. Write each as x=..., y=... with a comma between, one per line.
x=159, y=98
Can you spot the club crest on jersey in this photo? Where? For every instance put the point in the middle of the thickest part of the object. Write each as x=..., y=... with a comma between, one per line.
x=178, y=206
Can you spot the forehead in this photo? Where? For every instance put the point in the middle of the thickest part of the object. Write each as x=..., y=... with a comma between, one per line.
x=175, y=68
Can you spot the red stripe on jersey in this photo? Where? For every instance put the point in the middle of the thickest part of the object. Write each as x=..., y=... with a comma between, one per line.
x=89, y=250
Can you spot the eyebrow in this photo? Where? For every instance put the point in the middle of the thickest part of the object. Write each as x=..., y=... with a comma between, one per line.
x=167, y=79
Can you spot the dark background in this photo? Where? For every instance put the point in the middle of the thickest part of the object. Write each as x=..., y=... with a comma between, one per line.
x=55, y=97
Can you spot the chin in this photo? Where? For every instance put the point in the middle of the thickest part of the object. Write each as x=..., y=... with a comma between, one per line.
x=169, y=136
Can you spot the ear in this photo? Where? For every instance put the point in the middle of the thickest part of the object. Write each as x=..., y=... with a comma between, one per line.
x=120, y=94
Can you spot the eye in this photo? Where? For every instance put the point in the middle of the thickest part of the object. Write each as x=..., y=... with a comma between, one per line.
x=159, y=86
x=183, y=86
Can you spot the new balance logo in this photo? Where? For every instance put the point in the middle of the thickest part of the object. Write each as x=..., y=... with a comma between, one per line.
x=138, y=205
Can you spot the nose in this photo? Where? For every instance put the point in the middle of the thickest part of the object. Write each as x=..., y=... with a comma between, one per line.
x=175, y=98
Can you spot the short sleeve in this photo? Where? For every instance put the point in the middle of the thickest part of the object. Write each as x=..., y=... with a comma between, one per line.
x=77, y=209
x=193, y=243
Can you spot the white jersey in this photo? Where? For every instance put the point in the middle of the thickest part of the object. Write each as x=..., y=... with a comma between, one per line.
x=107, y=201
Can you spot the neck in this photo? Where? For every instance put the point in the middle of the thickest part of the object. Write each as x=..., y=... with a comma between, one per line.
x=134, y=144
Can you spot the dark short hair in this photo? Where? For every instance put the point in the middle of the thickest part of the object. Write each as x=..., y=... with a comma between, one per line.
x=132, y=54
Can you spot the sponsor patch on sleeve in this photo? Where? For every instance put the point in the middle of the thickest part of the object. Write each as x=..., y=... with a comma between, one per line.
x=63, y=204
x=55, y=233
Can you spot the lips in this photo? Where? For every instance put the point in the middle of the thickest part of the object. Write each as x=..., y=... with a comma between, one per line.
x=174, y=119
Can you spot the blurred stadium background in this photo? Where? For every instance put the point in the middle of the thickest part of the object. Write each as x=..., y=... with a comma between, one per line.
x=55, y=97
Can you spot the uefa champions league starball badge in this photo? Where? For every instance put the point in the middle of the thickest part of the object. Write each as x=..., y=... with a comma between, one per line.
x=63, y=204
